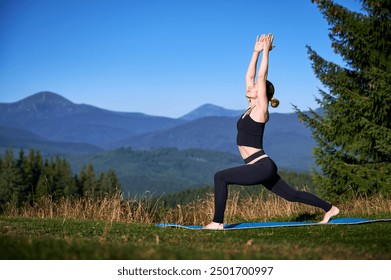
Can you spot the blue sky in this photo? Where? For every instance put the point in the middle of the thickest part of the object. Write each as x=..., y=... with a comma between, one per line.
x=161, y=58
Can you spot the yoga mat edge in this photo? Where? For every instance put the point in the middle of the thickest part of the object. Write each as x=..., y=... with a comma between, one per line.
x=252, y=225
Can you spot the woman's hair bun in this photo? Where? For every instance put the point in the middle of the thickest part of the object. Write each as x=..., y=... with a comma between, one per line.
x=270, y=92
x=274, y=102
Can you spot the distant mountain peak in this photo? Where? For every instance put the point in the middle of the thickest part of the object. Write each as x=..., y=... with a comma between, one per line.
x=41, y=105
x=45, y=97
x=208, y=110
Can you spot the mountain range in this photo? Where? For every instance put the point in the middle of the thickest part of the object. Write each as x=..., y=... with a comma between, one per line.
x=55, y=118
x=54, y=125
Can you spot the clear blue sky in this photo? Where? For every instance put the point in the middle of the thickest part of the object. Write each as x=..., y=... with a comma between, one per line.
x=158, y=57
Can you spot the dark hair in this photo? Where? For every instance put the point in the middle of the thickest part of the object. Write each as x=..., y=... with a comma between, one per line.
x=274, y=102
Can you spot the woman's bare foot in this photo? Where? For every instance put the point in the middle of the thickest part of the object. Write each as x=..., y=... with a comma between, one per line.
x=331, y=213
x=214, y=226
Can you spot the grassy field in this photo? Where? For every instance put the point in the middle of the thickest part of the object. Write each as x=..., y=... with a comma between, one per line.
x=118, y=228
x=57, y=238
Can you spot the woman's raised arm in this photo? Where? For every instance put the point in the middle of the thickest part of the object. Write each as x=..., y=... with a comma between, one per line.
x=263, y=71
x=251, y=71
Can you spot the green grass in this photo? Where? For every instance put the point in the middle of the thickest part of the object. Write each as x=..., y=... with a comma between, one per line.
x=33, y=238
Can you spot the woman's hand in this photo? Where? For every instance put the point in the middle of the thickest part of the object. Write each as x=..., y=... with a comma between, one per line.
x=259, y=43
x=268, y=42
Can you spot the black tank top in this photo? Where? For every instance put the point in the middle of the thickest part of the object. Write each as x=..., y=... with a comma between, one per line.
x=250, y=132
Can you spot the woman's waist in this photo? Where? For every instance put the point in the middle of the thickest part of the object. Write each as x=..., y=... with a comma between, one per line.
x=246, y=151
x=253, y=155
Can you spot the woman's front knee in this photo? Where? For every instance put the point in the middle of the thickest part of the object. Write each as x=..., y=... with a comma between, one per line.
x=218, y=176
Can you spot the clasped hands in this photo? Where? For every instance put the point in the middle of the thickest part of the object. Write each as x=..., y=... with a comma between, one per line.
x=264, y=42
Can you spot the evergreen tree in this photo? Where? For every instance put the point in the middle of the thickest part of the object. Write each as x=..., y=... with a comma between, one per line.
x=46, y=183
x=32, y=173
x=42, y=186
x=101, y=184
x=106, y=184
x=69, y=182
x=63, y=183
x=353, y=127
x=88, y=180
x=24, y=188
x=78, y=186
x=30, y=178
x=113, y=185
x=10, y=179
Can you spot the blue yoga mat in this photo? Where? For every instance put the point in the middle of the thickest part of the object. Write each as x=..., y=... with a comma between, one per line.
x=339, y=221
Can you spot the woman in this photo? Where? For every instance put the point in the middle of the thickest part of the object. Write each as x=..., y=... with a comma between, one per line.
x=258, y=167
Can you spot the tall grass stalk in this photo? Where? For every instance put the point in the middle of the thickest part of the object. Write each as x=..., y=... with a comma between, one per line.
x=146, y=209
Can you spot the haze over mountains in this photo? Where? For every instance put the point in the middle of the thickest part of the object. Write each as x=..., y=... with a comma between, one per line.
x=54, y=125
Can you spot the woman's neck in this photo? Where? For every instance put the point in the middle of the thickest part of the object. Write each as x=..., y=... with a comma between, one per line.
x=251, y=106
x=252, y=102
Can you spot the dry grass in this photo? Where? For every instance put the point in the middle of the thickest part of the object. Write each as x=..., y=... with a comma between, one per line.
x=145, y=209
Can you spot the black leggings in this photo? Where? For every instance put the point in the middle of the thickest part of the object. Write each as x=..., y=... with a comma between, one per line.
x=262, y=172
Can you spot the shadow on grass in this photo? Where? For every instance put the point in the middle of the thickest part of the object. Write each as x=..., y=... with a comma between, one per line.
x=303, y=217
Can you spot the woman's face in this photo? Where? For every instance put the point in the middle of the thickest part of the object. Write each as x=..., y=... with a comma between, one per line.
x=252, y=91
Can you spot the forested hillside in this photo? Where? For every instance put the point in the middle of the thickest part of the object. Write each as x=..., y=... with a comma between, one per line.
x=25, y=178
x=160, y=170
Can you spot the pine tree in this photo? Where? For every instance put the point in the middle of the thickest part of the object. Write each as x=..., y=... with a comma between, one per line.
x=101, y=185
x=68, y=179
x=24, y=188
x=49, y=182
x=114, y=185
x=29, y=178
x=353, y=127
x=42, y=187
x=45, y=181
x=106, y=184
x=88, y=180
x=63, y=183
x=10, y=179
x=32, y=172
